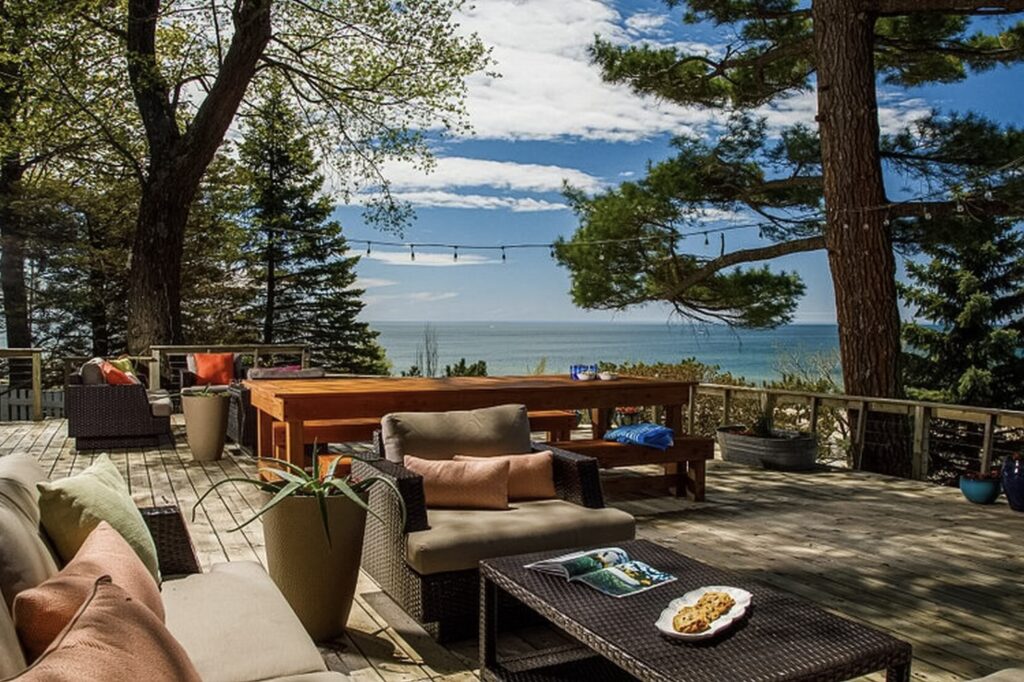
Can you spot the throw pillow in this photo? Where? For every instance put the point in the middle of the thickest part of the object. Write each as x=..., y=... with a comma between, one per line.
x=72, y=507
x=479, y=484
x=214, y=369
x=113, y=637
x=42, y=612
x=91, y=372
x=116, y=377
x=531, y=476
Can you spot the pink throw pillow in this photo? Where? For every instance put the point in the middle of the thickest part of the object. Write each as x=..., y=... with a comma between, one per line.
x=462, y=485
x=531, y=476
x=40, y=613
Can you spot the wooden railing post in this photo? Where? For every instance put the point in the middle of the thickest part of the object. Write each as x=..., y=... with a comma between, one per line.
x=922, y=442
x=815, y=407
x=768, y=401
x=727, y=406
x=37, y=385
x=987, y=443
x=154, y=369
x=860, y=433
x=691, y=410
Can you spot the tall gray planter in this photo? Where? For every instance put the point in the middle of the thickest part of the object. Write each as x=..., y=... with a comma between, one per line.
x=787, y=450
x=206, y=424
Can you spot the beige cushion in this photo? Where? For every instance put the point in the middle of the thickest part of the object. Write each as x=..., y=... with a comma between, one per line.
x=72, y=507
x=1008, y=675
x=480, y=484
x=500, y=430
x=531, y=476
x=25, y=559
x=236, y=625
x=12, y=659
x=113, y=637
x=458, y=538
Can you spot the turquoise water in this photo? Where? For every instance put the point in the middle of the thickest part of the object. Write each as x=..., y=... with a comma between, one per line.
x=517, y=347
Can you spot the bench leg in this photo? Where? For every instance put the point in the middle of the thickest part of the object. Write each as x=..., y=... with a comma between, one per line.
x=695, y=476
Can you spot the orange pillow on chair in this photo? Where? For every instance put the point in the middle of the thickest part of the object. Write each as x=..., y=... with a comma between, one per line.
x=479, y=484
x=531, y=476
x=214, y=369
x=41, y=613
x=116, y=377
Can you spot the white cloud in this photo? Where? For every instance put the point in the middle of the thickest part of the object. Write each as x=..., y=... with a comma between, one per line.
x=459, y=171
x=548, y=87
x=647, y=23
x=430, y=260
x=372, y=283
x=414, y=297
x=441, y=199
x=894, y=112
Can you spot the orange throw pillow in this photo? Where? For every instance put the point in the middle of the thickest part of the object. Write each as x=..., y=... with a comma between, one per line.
x=531, y=476
x=463, y=485
x=116, y=377
x=40, y=613
x=214, y=369
x=113, y=637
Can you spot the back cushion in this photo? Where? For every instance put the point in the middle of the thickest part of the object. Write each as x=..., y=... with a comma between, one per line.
x=500, y=430
x=12, y=660
x=214, y=369
x=25, y=559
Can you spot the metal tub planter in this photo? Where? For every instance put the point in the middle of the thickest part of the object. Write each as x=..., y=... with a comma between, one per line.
x=782, y=450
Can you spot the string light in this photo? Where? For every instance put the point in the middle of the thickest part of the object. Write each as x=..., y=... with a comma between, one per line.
x=723, y=243
x=503, y=258
x=368, y=248
x=706, y=242
x=412, y=252
x=455, y=254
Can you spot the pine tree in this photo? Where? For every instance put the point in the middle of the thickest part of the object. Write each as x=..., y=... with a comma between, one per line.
x=966, y=345
x=301, y=258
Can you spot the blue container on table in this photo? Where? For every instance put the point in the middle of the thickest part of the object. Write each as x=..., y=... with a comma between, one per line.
x=980, y=491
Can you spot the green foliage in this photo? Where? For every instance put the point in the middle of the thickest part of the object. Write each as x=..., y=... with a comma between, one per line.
x=298, y=253
x=968, y=298
x=462, y=369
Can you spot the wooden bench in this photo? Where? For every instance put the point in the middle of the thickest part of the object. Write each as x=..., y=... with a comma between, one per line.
x=684, y=464
x=557, y=424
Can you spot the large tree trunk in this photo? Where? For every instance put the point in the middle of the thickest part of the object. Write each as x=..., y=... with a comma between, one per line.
x=12, y=259
x=858, y=241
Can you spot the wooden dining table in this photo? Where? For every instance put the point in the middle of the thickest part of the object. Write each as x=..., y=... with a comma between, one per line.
x=295, y=401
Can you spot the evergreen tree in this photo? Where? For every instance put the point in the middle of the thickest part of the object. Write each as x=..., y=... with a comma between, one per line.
x=301, y=258
x=968, y=299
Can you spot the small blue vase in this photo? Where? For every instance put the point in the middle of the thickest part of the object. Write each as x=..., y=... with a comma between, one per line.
x=1013, y=482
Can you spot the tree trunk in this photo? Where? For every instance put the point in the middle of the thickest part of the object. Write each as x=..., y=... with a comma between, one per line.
x=859, y=242
x=96, y=307
x=12, y=260
x=154, y=289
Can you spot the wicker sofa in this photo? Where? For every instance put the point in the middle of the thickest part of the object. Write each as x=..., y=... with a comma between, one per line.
x=216, y=616
x=106, y=416
x=429, y=564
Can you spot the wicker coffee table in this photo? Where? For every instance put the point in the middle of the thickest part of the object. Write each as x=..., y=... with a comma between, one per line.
x=781, y=638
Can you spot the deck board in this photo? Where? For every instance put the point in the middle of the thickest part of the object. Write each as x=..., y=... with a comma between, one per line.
x=903, y=556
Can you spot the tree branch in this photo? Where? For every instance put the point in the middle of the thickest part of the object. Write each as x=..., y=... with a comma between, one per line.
x=969, y=7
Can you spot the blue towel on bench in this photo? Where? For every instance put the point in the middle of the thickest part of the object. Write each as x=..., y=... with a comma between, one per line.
x=648, y=435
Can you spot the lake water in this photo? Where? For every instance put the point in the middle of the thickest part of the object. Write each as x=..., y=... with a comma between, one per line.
x=517, y=347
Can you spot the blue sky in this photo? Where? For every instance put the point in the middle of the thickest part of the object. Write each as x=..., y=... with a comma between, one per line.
x=548, y=118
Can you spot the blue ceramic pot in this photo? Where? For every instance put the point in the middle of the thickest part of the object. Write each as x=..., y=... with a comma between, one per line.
x=979, y=492
x=1013, y=482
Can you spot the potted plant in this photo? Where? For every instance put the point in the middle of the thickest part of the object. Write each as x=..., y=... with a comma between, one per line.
x=1013, y=481
x=764, y=446
x=313, y=527
x=980, y=488
x=206, y=422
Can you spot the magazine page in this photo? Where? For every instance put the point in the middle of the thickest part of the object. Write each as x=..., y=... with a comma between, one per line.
x=581, y=563
x=625, y=579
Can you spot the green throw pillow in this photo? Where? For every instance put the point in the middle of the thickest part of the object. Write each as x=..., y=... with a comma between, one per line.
x=125, y=365
x=71, y=507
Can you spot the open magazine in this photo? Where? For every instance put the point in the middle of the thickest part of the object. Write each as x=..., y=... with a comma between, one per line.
x=608, y=570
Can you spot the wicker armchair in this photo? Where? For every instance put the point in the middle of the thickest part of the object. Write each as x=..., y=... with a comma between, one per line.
x=446, y=604
x=105, y=416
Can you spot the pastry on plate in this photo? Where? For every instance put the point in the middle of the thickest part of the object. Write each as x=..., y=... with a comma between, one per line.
x=715, y=604
x=690, y=620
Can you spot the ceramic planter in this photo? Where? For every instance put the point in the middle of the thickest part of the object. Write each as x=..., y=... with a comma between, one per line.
x=206, y=424
x=316, y=577
x=1013, y=482
x=790, y=451
x=980, y=491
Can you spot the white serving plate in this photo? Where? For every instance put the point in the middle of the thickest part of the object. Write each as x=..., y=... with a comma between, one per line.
x=742, y=598
x=607, y=376
x=585, y=376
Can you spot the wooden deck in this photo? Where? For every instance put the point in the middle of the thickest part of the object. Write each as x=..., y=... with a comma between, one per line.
x=904, y=556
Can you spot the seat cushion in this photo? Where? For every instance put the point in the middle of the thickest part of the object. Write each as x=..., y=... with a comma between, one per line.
x=12, y=659
x=113, y=637
x=501, y=430
x=236, y=625
x=72, y=507
x=25, y=558
x=160, y=406
x=458, y=538
x=40, y=613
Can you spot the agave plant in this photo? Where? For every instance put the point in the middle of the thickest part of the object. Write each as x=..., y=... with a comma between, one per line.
x=297, y=482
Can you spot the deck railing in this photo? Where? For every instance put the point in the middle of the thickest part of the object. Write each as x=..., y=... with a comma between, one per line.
x=925, y=416
x=175, y=355
x=36, y=356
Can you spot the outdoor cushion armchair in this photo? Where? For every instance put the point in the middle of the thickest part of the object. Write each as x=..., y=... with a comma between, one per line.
x=108, y=416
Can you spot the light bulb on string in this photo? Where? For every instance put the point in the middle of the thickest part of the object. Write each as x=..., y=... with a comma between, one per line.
x=722, y=236
x=706, y=242
x=368, y=248
x=552, y=252
x=455, y=254
x=412, y=252
x=960, y=207
x=927, y=214
x=988, y=195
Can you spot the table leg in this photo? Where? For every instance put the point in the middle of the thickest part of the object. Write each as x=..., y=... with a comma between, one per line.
x=696, y=474
x=294, y=448
x=677, y=470
x=899, y=673
x=488, y=623
x=601, y=420
x=264, y=434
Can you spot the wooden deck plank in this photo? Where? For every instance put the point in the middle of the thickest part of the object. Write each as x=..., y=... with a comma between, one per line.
x=901, y=555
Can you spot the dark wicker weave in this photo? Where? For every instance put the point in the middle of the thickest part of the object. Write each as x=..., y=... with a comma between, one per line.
x=782, y=637
x=241, y=418
x=105, y=416
x=446, y=604
x=174, y=548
